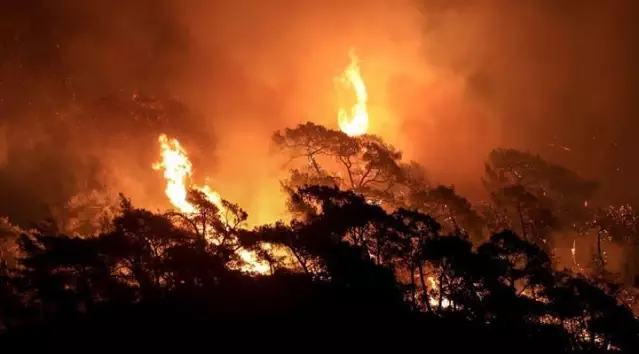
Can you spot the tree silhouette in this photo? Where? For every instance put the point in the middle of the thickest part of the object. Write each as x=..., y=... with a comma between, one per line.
x=527, y=179
x=350, y=257
x=617, y=224
x=353, y=260
x=363, y=164
x=454, y=211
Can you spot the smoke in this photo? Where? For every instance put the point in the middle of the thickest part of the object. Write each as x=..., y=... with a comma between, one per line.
x=557, y=76
x=447, y=80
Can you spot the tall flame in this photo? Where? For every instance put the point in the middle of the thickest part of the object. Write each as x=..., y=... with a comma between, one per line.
x=177, y=172
x=355, y=122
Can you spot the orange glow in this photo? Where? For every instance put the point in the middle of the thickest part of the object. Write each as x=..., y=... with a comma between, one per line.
x=177, y=172
x=355, y=122
x=434, y=302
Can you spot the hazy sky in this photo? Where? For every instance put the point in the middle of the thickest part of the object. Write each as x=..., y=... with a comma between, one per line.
x=448, y=81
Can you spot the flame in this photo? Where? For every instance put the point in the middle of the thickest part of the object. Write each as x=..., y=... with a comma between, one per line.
x=177, y=169
x=356, y=122
x=434, y=302
x=177, y=172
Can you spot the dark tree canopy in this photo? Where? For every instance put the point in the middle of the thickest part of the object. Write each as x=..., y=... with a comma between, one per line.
x=352, y=260
x=373, y=245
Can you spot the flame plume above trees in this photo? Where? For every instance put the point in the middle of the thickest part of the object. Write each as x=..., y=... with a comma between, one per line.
x=355, y=122
x=177, y=171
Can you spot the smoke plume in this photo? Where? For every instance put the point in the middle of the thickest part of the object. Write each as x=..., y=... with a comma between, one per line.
x=448, y=81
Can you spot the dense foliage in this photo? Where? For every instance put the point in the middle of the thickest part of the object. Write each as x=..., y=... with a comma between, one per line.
x=372, y=246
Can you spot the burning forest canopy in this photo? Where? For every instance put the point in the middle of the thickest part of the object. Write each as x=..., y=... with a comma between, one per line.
x=158, y=103
x=434, y=84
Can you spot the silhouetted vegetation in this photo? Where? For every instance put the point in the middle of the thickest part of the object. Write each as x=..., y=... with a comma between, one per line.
x=372, y=247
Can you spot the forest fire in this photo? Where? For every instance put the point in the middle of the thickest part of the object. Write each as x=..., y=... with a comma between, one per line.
x=177, y=168
x=438, y=301
x=177, y=171
x=355, y=121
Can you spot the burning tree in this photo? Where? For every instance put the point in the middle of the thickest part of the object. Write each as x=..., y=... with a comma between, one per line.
x=213, y=219
x=351, y=256
x=366, y=165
